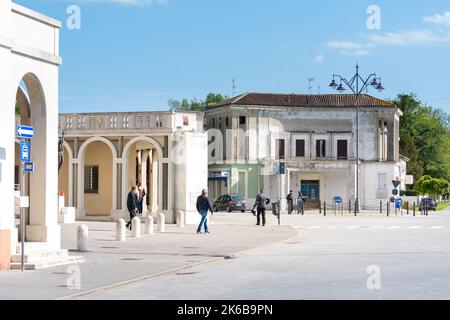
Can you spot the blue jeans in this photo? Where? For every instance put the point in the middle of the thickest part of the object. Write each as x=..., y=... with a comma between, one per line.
x=204, y=221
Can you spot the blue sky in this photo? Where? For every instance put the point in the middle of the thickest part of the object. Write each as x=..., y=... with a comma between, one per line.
x=134, y=55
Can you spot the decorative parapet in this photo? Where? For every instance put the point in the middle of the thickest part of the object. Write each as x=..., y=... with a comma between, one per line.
x=165, y=121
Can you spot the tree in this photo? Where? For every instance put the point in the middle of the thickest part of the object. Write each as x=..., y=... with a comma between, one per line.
x=428, y=185
x=194, y=104
x=424, y=138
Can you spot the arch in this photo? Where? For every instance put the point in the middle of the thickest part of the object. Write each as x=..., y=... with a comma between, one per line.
x=95, y=139
x=68, y=149
x=151, y=140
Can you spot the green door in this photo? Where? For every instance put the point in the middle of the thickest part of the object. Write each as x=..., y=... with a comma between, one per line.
x=241, y=184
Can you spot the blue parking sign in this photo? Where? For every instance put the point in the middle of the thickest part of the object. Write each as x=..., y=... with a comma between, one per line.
x=24, y=151
x=398, y=203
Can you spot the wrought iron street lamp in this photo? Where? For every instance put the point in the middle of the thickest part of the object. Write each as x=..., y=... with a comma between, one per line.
x=357, y=84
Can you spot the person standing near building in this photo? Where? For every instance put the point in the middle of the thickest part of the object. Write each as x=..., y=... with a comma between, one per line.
x=290, y=202
x=260, y=205
x=141, y=198
x=203, y=206
x=131, y=204
x=300, y=203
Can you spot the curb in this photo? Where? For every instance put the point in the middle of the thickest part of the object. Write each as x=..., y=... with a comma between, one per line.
x=176, y=270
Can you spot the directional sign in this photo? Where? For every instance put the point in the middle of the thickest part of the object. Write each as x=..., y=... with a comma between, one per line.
x=28, y=167
x=396, y=183
x=338, y=200
x=398, y=203
x=25, y=132
x=24, y=151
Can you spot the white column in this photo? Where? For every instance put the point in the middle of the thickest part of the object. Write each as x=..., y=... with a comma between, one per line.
x=155, y=186
x=80, y=212
x=143, y=178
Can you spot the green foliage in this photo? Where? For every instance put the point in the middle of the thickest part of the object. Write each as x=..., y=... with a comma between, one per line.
x=424, y=138
x=17, y=108
x=441, y=206
x=409, y=193
x=194, y=104
x=435, y=187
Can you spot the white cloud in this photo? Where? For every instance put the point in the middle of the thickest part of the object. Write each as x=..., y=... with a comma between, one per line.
x=319, y=58
x=357, y=53
x=407, y=38
x=440, y=19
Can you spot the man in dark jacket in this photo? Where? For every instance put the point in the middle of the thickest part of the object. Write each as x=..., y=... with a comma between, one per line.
x=290, y=202
x=260, y=204
x=203, y=206
x=132, y=204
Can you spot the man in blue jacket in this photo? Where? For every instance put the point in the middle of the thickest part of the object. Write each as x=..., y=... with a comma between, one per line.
x=203, y=206
x=131, y=204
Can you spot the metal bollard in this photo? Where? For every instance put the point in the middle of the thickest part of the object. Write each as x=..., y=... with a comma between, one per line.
x=349, y=206
x=414, y=209
x=161, y=222
x=121, y=234
x=324, y=208
x=82, y=238
x=136, y=227
x=180, y=219
x=407, y=208
x=381, y=207
x=388, y=207
x=149, y=225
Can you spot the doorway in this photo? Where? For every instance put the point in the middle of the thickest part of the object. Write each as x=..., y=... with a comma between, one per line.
x=311, y=191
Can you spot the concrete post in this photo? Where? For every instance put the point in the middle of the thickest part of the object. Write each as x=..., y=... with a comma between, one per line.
x=180, y=219
x=121, y=230
x=82, y=238
x=149, y=225
x=161, y=222
x=136, y=227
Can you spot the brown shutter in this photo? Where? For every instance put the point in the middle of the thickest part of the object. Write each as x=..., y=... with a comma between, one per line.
x=342, y=149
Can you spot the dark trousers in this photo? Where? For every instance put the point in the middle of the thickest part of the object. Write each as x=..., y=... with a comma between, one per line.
x=132, y=215
x=261, y=213
x=290, y=204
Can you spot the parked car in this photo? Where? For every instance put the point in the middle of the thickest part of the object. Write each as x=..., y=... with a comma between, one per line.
x=428, y=203
x=230, y=203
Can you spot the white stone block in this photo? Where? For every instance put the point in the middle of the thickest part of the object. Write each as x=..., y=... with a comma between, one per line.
x=67, y=215
x=149, y=225
x=161, y=222
x=121, y=233
x=180, y=219
x=136, y=227
x=83, y=238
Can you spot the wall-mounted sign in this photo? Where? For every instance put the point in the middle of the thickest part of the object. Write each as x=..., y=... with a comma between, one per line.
x=24, y=151
x=2, y=153
x=28, y=167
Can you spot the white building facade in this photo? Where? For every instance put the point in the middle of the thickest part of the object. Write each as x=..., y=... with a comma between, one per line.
x=29, y=63
x=314, y=136
x=105, y=154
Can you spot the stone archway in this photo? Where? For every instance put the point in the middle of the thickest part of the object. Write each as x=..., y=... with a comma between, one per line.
x=150, y=160
x=109, y=194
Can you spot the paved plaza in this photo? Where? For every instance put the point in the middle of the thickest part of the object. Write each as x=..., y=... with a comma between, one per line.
x=307, y=257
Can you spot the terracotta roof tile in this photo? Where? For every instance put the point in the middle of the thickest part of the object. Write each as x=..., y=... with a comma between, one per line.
x=303, y=100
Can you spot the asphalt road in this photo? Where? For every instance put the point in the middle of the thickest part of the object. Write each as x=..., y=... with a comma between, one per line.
x=331, y=258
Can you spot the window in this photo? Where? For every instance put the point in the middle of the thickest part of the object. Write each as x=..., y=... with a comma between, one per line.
x=300, y=148
x=227, y=122
x=279, y=149
x=213, y=123
x=242, y=120
x=320, y=148
x=342, y=149
x=220, y=123
x=91, y=179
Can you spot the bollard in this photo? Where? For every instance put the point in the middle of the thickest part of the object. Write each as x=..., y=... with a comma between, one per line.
x=414, y=209
x=407, y=208
x=180, y=219
x=324, y=208
x=161, y=222
x=320, y=209
x=349, y=206
x=149, y=225
x=121, y=234
x=136, y=227
x=388, y=207
x=82, y=238
x=381, y=207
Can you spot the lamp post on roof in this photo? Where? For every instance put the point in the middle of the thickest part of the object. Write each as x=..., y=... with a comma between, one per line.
x=357, y=84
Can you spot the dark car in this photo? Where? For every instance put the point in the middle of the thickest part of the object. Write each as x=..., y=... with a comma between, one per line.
x=230, y=203
x=428, y=203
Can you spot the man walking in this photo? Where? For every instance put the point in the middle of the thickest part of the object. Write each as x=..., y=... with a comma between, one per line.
x=131, y=204
x=260, y=204
x=290, y=202
x=203, y=206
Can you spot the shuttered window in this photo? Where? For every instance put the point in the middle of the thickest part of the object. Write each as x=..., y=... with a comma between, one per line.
x=342, y=149
x=300, y=148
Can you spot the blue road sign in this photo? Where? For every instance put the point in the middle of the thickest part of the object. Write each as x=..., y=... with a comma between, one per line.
x=28, y=167
x=25, y=132
x=398, y=203
x=24, y=151
x=338, y=200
